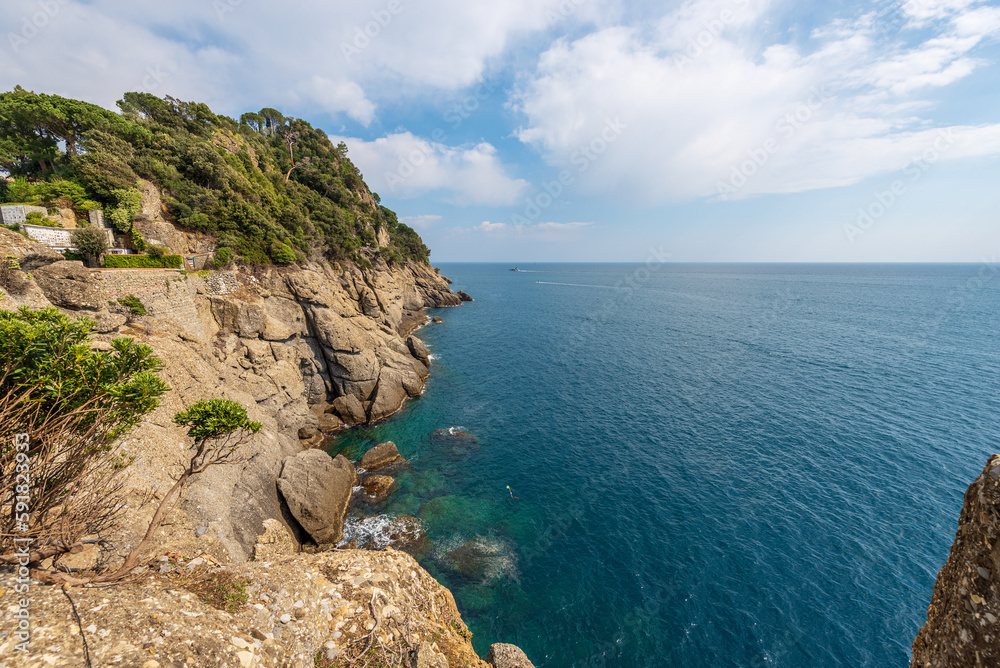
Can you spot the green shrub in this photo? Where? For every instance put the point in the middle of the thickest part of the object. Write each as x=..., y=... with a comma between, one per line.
x=282, y=253
x=142, y=262
x=223, y=257
x=74, y=257
x=156, y=251
x=133, y=304
x=91, y=242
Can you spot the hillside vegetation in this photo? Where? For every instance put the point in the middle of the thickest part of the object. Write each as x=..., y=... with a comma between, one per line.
x=271, y=188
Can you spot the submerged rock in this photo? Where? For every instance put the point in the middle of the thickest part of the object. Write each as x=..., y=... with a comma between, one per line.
x=317, y=492
x=483, y=558
x=407, y=533
x=381, y=456
x=377, y=488
x=460, y=442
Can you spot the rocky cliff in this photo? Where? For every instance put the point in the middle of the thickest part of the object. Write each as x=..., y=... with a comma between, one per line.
x=307, y=349
x=961, y=628
x=304, y=349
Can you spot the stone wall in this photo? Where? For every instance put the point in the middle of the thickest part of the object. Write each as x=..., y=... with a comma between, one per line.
x=17, y=213
x=163, y=292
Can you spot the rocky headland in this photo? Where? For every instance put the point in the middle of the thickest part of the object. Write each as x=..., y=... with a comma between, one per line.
x=308, y=349
x=962, y=618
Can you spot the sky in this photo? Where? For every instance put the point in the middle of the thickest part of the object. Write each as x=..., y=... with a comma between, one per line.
x=593, y=130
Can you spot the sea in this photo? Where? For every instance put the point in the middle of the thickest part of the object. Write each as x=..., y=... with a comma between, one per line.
x=697, y=464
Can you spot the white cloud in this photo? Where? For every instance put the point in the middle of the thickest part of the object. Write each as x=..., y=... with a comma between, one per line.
x=547, y=230
x=238, y=55
x=405, y=165
x=564, y=226
x=704, y=104
x=421, y=222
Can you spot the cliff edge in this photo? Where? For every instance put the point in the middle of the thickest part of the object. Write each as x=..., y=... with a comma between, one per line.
x=961, y=628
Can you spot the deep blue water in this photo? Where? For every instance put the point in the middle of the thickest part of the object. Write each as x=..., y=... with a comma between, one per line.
x=716, y=465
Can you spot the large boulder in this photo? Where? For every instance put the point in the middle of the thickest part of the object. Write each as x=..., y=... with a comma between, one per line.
x=464, y=296
x=381, y=456
x=340, y=461
x=69, y=284
x=317, y=492
x=502, y=655
x=350, y=409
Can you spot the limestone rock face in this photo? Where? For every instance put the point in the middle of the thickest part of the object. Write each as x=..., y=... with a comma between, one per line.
x=381, y=456
x=317, y=602
x=69, y=285
x=317, y=492
x=502, y=655
x=419, y=350
x=29, y=253
x=962, y=626
x=350, y=409
x=427, y=655
x=276, y=541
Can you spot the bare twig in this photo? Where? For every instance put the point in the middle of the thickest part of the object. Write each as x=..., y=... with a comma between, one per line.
x=79, y=623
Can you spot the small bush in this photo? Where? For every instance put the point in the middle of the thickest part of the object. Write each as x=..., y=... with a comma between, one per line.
x=282, y=253
x=74, y=257
x=133, y=304
x=223, y=257
x=142, y=262
x=155, y=251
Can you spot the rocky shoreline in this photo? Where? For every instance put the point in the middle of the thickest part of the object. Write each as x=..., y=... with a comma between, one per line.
x=305, y=349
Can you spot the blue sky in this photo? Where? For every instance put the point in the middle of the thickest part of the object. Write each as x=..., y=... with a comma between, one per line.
x=593, y=130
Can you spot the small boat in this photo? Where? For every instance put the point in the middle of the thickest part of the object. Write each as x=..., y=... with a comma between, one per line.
x=515, y=269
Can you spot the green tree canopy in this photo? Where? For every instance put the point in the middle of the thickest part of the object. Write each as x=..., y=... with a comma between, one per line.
x=90, y=241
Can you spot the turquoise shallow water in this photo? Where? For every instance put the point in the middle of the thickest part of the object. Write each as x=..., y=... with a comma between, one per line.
x=716, y=465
